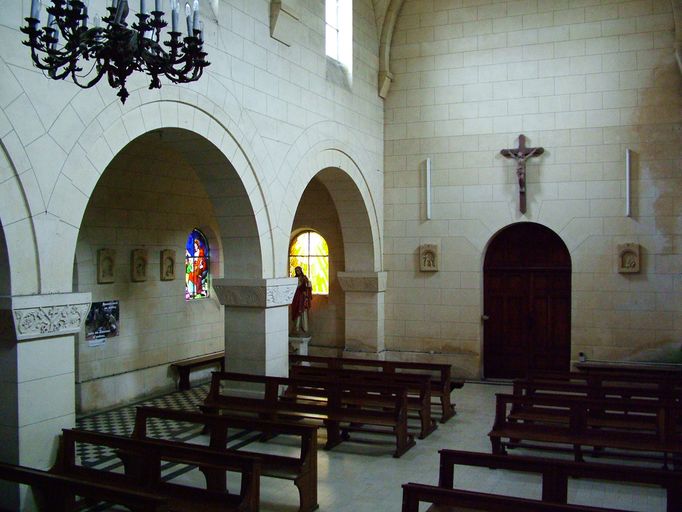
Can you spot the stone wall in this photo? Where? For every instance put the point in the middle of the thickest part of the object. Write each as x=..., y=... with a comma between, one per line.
x=585, y=80
x=148, y=198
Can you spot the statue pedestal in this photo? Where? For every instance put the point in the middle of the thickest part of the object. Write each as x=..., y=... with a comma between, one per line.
x=298, y=345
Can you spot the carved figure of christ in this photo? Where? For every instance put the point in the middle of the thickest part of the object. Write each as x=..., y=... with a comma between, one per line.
x=521, y=154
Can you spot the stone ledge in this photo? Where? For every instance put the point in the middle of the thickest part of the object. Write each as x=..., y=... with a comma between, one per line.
x=255, y=293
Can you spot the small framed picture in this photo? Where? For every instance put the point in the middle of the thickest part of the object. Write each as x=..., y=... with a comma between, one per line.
x=167, y=265
x=106, y=260
x=138, y=265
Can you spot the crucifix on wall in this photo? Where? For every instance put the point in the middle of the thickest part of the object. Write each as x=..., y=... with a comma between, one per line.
x=521, y=154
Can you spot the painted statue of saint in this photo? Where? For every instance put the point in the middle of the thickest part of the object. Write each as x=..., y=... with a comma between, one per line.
x=302, y=300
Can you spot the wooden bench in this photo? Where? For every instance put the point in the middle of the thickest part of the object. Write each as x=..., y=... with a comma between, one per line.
x=602, y=384
x=332, y=412
x=302, y=469
x=61, y=491
x=578, y=389
x=143, y=460
x=580, y=431
x=555, y=475
x=185, y=366
x=633, y=368
x=418, y=387
x=465, y=501
x=442, y=383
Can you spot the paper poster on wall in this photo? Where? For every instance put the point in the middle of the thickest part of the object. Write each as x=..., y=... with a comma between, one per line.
x=102, y=322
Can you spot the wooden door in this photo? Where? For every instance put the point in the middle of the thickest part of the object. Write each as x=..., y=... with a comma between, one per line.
x=527, y=302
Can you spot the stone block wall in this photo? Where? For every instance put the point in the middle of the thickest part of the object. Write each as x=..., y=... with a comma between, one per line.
x=148, y=198
x=584, y=80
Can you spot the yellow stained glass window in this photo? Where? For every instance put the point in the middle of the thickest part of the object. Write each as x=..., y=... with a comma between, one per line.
x=310, y=252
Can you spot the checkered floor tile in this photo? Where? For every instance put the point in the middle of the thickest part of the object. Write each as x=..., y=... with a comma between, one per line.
x=121, y=422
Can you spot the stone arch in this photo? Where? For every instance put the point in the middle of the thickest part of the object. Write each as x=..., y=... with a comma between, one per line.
x=108, y=134
x=18, y=250
x=322, y=152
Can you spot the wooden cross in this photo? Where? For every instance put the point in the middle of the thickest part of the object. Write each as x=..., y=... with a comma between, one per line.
x=521, y=154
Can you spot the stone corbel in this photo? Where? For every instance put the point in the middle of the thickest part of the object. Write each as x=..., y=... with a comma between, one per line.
x=362, y=281
x=46, y=316
x=284, y=16
x=255, y=293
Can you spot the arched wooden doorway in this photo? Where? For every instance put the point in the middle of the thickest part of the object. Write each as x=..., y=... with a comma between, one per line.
x=527, y=302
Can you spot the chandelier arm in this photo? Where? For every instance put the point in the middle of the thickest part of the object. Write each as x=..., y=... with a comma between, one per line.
x=90, y=83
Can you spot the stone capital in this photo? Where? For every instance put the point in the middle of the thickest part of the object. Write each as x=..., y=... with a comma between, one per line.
x=45, y=316
x=362, y=281
x=255, y=293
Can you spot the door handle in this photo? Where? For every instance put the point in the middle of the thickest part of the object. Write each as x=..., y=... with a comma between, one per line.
x=485, y=317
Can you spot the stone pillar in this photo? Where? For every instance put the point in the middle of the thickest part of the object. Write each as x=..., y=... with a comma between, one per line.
x=364, y=312
x=256, y=323
x=37, y=379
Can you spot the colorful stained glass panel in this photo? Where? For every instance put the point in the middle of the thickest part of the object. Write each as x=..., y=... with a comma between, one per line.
x=196, y=266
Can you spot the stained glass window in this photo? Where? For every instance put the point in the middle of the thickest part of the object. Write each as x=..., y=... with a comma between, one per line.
x=310, y=252
x=197, y=265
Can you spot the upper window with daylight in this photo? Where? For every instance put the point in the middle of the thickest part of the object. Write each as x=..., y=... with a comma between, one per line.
x=310, y=252
x=339, y=32
x=197, y=259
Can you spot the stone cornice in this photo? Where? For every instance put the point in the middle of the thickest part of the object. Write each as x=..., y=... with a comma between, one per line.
x=45, y=316
x=362, y=281
x=255, y=293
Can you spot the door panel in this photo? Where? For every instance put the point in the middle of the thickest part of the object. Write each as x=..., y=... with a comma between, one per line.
x=527, y=300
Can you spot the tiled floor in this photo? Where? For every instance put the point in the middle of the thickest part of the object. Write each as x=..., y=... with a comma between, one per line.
x=360, y=477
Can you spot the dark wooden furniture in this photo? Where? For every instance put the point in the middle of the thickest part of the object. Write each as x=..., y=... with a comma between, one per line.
x=143, y=460
x=57, y=493
x=555, y=475
x=185, y=366
x=587, y=425
x=302, y=469
x=526, y=302
x=418, y=387
x=456, y=500
x=270, y=404
x=633, y=368
x=442, y=383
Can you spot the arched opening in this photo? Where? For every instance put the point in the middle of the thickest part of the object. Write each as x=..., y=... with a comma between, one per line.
x=316, y=213
x=527, y=302
x=152, y=195
x=351, y=316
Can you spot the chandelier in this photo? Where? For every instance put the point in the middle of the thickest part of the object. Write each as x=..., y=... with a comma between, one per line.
x=68, y=47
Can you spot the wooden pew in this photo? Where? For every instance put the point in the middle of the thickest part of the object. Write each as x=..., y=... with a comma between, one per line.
x=59, y=492
x=301, y=469
x=418, y=387
x=455, y=500
x=578, y=389
x=442, y=383
x=143, y=460
x=637, y=369
x=273, y=405
x=185, y=366
x=602, y=384
x=555, y=474
x=579, y=431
